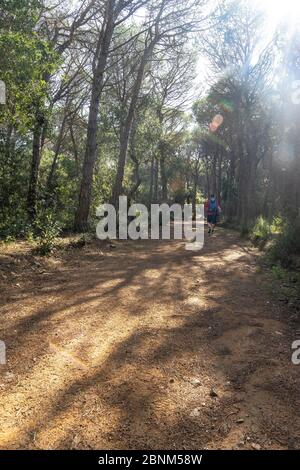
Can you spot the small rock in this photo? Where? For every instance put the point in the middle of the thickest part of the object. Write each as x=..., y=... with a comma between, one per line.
x=9, y=376
x=195, y=413
x=213, y=393
x=255, y=446
x=195, y=382
x=240, y=420
x=172, y=381
x=224, y=429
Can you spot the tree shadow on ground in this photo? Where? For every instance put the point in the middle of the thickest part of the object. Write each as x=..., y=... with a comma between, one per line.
x=173, y=308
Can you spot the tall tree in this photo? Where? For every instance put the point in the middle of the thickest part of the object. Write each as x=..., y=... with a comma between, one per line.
x=170, y=22
x=114, y=14
x=58, y=34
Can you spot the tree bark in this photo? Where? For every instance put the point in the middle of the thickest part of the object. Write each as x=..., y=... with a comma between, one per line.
x=155, y=189
x=163, y=178
x=35, y=163
x=85, y=193
x=59, y=141
x=75, y=149
x=126, y=128
x=151, y=181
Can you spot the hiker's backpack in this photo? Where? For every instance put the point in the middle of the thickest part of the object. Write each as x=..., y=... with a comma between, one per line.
x=212, y=207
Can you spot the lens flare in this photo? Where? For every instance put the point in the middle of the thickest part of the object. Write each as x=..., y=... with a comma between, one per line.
x=216, y=122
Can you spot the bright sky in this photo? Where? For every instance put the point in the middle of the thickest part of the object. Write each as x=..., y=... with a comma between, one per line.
x=276, y=12
x=280, y=10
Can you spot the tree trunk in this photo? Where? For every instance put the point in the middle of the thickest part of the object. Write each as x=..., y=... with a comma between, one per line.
x=137, y=177
x=35, y=163
x=195, y=188
x=39, y=137
x=219, y=177
x=49, y=185
x=85, y=193
x=163, y=178
x=126, y=128
x=214, y=174
x=207, y=177
x=155, y=182
x=230, y=208
x=75, y=149
x=151, y=181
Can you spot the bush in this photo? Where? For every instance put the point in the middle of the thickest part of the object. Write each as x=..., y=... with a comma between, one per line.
x=278, y=271
x=287, y=244
x=277, y=224
x=49, y=230
x=18, y=230
x=10, y=230
x=261, y=231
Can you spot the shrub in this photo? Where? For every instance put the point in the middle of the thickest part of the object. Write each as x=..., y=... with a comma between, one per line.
x=287, y=244
x=278, y=271
x=48, y=229
x=277, y=224
x=261, y=231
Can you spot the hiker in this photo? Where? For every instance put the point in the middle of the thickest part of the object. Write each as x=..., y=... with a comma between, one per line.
x=212, y=210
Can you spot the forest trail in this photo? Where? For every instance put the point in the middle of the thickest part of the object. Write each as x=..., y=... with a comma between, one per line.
x=145, y=346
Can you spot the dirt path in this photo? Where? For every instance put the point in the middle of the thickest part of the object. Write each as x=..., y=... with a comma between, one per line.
x=145, y=345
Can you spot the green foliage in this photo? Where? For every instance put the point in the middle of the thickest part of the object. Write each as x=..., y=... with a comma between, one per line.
x=277, y=224
x=29, y=235
x=278, y=271
x=286, y=245
x=49, y=229
x=25, y=62
x=165, y=154
x=264, y=230
x=286, y=285
x=62, y=197
x=21, y=15
x=261, y=231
